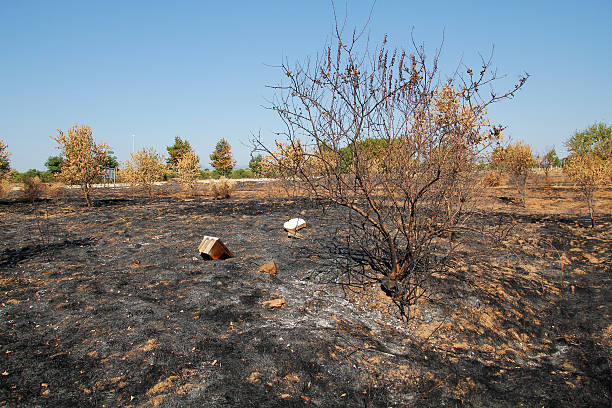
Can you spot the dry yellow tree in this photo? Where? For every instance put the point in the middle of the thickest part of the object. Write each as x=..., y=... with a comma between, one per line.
x=84, y=158
x=393, y=146
x=518, y=162
x=590, y=162
x=188, y=167
x=144, y=168
x=287, y=160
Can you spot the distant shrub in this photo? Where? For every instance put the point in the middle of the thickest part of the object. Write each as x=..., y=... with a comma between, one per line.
x=256, y=166
x=33, y=189
x=493, y=178
x=44, y=176
x=207, y=174
x=55, y=190
x=221, y=188
x=169, y=175
x=242, y=173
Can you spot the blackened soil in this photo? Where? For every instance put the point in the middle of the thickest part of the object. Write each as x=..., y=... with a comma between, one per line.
x=113, y=306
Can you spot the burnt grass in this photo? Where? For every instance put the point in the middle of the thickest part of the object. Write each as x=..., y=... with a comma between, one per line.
x=112, y=306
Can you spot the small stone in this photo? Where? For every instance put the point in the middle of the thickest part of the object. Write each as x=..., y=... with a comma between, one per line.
x=270, y=268
x=294, y=234
x=273, y=304
x=254, y=377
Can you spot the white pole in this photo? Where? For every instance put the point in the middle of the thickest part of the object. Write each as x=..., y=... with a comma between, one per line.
x=133, y=138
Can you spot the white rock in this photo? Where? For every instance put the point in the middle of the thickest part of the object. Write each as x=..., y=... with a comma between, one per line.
x=294, y=224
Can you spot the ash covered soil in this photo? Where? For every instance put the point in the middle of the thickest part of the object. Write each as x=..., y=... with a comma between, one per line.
x=112, y=306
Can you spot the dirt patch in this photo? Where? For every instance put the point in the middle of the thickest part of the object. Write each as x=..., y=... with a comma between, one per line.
x=113, y=306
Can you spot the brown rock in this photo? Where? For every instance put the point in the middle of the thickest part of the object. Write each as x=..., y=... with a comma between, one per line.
x=273, y=304
x=213, y=248
x=270, y=268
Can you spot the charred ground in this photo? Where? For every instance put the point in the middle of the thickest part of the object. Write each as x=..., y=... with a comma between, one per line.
x=112, y=306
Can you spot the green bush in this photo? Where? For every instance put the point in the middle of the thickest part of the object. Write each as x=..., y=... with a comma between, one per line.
x=169, y=175
x=208, y=174
x=44, y=176
x=242, y=173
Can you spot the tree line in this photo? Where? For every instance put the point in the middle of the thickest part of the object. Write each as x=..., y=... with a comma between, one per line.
x=82, y=162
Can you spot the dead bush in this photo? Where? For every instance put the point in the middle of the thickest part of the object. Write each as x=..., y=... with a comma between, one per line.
x=516, y=160
x=493, y=178
x=395, y=146
x=33, y=189
x=519, y=163
x=221, y=188
x=589, y=172
x=5, y=187
x=188, y=168
x=55, y=191
x=143, y=169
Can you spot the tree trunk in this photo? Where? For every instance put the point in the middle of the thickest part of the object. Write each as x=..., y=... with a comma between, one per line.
x=451, y=220
x=591, y=211
x=86, y=194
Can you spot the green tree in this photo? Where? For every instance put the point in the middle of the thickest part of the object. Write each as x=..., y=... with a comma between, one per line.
x=553, y=158
x=256, y=166
x=54, y=164
x=45, y=176
x=550, y=160
x=596, y=139
x=4, y=161
x=111, y=160
x=221, y=158
x=176, y=152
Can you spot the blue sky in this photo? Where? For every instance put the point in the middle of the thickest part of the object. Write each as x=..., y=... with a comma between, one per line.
x=199, y=69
